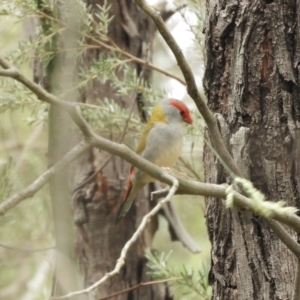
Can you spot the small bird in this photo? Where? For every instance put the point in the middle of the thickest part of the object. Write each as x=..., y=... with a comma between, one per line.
x=160, y=143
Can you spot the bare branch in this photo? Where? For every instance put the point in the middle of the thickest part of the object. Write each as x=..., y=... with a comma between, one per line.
x=192, y=89
x=4, y=64
x=285, y=237
x=43, y=179
x=9, y=72
x=121, y=260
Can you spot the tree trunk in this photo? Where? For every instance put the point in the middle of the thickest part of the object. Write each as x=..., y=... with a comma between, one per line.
x=57, y=71
x=251, y=82
x=99, y=239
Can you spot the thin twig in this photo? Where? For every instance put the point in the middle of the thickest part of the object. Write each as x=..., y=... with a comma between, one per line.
x=97, y=107
x=43, y=179
x=121, y=260
x=138, y=286
x=27, y=250
x=189, y=167
x=137, y=60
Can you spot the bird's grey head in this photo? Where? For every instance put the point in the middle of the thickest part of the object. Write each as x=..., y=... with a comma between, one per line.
x=176, y=111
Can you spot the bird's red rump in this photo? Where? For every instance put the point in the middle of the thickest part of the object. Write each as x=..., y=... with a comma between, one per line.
x=184, y=111
x=129, y=184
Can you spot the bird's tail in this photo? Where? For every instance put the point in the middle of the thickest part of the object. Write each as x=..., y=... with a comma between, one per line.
x=128, y=198
x=124, y=208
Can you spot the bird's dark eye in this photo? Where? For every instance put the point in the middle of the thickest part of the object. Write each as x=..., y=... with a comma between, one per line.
x=182, y=113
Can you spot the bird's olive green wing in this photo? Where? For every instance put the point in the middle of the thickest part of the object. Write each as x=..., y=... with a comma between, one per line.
x=157, y=116
x=142, y=143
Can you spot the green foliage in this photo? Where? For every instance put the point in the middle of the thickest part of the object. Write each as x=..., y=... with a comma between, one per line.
x=15, y=96
x=107, y=117
x=192, y=283
x=5, y=178
x=17, y=7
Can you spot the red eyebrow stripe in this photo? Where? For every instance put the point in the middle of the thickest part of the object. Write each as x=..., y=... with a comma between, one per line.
x=179, y=105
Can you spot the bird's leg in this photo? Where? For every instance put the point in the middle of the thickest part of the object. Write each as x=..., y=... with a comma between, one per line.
x=182, y=174
x=166, y=169
x=155, y=195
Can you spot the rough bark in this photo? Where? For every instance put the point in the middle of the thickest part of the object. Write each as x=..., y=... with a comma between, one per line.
x=99, y=239
x=251, y=81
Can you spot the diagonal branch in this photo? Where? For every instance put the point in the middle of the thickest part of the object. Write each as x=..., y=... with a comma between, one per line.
x=9, y=72
x=121, y=260
x=43, y=179
x=285, y=237
x=192, y=89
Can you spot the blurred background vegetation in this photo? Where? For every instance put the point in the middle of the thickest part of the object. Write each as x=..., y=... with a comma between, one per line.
x=26, y=234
